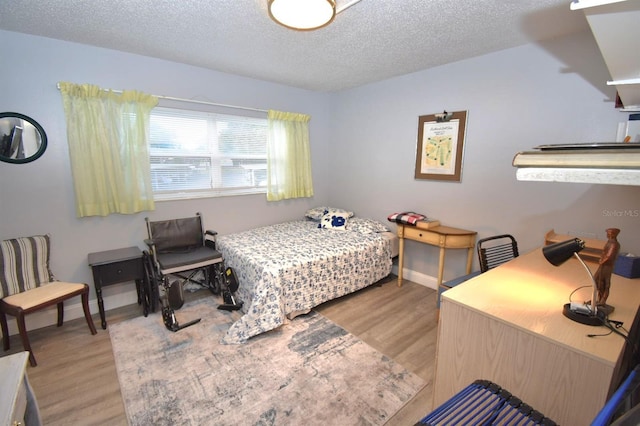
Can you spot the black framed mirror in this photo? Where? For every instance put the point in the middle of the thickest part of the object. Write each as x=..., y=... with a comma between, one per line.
x=22, y=139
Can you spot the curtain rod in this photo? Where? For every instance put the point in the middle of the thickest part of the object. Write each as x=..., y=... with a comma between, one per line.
x=171, y=98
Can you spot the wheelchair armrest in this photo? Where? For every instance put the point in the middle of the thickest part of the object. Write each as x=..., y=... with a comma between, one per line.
x=149, y=242
x=210, y=242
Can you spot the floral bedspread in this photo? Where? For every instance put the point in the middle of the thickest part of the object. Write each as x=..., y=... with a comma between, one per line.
x=295, y=266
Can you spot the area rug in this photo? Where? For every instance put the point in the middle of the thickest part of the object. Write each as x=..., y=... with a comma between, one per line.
x=309, y=371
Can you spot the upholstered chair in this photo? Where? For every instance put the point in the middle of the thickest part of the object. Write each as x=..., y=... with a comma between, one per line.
x=27, y=285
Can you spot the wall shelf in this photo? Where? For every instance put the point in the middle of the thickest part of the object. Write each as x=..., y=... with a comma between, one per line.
x=616, y=28
x=614, y=24
x=599, y=166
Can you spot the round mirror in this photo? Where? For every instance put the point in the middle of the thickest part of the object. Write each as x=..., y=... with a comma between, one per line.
x=22, y=139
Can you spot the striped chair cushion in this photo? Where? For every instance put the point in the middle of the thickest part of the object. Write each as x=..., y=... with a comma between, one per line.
x=24, y=264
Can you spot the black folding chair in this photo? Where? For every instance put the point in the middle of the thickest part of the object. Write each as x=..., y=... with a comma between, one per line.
x=492, y=252
x=496, y=250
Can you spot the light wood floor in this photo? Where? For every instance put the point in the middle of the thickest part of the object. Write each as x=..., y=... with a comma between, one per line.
x=76, y=383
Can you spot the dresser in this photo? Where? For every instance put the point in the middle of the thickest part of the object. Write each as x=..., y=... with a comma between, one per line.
x=18, y=405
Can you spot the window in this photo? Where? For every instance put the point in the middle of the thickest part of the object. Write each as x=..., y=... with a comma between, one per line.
x=206, y=154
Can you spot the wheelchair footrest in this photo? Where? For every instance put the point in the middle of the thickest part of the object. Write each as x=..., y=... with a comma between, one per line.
x=230, y=307
x=230, y=303
x=170, y=321
x=175, y=295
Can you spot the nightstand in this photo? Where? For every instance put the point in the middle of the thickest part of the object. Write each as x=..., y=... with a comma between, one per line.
x=113, y=267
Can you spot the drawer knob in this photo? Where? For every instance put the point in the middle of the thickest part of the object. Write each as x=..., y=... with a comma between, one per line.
x=119, y=271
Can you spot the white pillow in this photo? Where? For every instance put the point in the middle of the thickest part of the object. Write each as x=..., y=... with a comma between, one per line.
x=366, y=226
x=334, y=220
x=316, y=213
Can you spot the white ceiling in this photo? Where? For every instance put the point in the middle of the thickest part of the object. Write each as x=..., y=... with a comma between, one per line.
x=370, y=41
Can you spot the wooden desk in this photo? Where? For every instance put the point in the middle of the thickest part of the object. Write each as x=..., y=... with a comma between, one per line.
x=444, y=237
x=113, y=267
x=506, y=326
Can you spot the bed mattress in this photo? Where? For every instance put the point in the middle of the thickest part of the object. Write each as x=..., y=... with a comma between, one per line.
x=295, y=266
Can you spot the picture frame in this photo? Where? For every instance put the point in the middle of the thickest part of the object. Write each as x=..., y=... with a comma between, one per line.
x=440, y=146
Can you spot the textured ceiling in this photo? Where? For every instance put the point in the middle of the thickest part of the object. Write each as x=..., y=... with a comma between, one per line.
x=370, y=41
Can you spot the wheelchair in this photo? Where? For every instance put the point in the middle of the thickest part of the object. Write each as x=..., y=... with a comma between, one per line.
x=180, y=251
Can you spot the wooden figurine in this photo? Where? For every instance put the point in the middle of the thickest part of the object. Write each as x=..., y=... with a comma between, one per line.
x=605, y=266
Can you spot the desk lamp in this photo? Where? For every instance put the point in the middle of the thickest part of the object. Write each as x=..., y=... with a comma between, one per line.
x=557, y=254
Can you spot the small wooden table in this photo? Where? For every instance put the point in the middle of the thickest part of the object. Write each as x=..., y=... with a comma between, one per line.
x=444, y=237
x=113, y=267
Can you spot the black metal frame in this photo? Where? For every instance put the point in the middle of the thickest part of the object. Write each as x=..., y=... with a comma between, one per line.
x=175, y=249
x=180, y=248
x=492, y=255
x=228, y=285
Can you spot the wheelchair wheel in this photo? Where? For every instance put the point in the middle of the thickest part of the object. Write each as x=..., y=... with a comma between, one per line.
x=150, y=284
x=214, y=278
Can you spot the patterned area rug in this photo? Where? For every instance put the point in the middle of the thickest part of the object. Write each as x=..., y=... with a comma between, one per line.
x=309, y=371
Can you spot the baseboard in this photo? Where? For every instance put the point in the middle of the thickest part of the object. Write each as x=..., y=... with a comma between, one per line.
x=72, y=311
x=417, y=277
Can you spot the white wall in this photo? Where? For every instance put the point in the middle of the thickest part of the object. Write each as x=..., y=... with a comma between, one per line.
x=516, y=99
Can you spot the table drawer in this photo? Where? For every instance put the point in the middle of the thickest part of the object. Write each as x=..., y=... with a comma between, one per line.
x=118, y=272
x=422, y=235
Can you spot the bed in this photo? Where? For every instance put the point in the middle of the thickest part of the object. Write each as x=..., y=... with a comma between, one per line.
x=289, y=268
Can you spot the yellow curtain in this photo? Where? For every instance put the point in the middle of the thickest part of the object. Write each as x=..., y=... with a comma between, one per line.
x=288, y=156
x=108, y=147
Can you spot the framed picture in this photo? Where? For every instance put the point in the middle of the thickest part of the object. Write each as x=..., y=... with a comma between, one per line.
x=440, y=146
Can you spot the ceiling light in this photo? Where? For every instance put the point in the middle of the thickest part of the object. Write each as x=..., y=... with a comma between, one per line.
x=303, y=15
